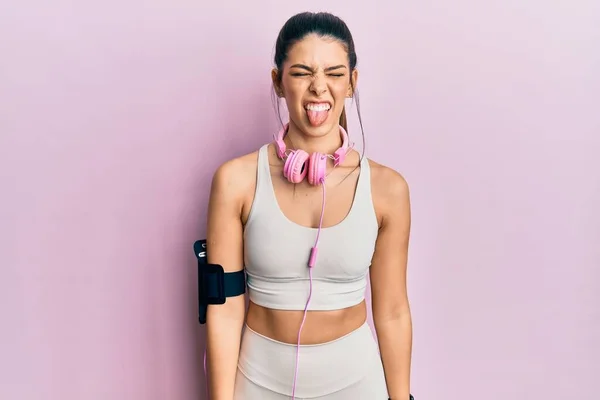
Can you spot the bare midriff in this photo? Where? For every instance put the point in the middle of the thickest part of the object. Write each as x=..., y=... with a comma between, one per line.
x=319, y=326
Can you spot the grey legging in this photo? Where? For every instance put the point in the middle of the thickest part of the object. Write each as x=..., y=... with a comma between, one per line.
x=348, y=368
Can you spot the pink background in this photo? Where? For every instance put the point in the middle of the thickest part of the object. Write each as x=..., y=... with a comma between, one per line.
x=115, y=114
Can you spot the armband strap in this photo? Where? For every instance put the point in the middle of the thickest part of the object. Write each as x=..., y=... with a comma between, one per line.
x=214, y=284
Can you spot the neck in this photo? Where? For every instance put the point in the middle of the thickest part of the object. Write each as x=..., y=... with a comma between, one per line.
x=325, y=143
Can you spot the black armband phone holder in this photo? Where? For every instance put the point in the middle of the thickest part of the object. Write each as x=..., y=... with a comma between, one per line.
x=214, y=284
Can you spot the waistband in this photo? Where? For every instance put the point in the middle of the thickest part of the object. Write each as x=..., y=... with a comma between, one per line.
x=323, y=368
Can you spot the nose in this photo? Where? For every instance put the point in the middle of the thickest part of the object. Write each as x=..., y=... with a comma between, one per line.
x=318, y=85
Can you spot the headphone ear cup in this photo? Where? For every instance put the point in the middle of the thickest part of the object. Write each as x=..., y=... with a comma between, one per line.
x=318, y=166
x=295, y=168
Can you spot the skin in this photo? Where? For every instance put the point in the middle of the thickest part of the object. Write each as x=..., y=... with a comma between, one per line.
x=230, y=201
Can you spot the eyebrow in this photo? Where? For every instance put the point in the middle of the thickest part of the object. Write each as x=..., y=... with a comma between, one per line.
x=306, y=67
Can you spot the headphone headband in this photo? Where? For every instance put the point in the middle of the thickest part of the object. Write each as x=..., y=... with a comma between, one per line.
x=338, y=156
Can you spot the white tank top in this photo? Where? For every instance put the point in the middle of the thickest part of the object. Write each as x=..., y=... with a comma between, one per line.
x=276, y=250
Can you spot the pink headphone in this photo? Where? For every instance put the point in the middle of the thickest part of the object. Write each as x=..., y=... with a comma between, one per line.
x=298, y=164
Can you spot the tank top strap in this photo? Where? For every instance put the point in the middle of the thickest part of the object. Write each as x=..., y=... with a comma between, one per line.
x=263, y=164
x=264, y=199
x=363, y=201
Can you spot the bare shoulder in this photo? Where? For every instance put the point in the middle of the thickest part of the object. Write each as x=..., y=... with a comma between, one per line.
x=236, y=175
x=388, y=182
x=234, y=183
x=390, y=191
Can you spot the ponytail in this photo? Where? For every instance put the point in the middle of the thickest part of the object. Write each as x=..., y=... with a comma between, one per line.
x=343, y=121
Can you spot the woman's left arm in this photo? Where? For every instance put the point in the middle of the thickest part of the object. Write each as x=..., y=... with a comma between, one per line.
x=389, y=298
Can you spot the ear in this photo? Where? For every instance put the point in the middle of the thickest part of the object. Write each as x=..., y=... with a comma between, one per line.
x=353, y=84
x=276, y=86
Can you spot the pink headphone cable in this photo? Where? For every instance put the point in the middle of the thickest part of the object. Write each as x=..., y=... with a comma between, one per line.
x=311, y=263
x=206, y=373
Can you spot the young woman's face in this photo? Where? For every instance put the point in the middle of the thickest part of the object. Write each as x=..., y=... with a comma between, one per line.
x=315, y=82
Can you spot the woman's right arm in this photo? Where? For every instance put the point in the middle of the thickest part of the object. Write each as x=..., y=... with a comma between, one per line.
x=224, y=322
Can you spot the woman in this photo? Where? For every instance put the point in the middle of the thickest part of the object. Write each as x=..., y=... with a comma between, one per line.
x=308, y=230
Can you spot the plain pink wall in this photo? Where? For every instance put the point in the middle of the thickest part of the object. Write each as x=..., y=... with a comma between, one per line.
x=114, y=116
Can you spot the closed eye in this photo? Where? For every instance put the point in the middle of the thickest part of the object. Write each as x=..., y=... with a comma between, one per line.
x=304, y=74
x=328, y=70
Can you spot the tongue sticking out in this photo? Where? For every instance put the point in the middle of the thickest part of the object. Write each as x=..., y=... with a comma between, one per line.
x=316, y=118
